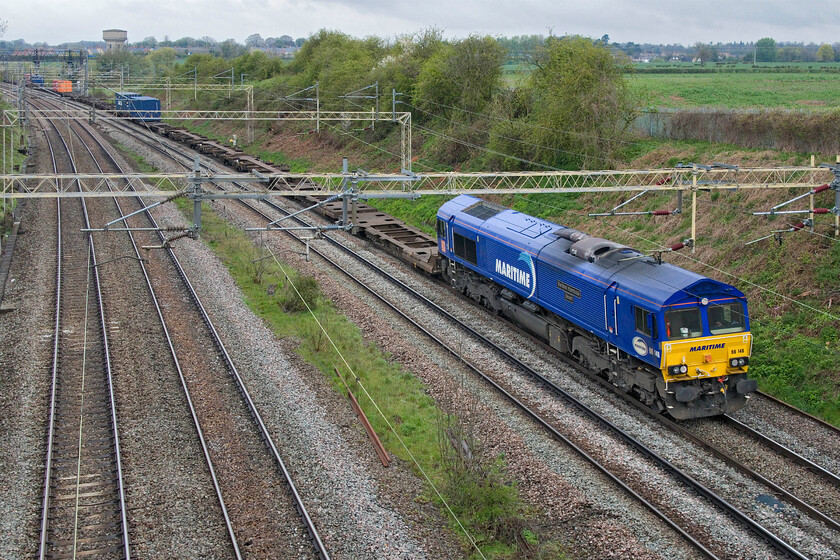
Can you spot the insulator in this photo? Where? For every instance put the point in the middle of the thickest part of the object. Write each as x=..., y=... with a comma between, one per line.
x=821, y=210
x=798, y=226
x=821, y=188
x=677, y=246
x=663, y=181
x=661, y=212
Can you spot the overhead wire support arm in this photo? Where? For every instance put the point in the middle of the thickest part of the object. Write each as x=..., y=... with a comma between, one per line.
x=777, y=234
x=293, y=214
x=303, y=228
x=805, y=211
x=225, y=76
x=149, y=207
x=658, y=182
x=375, y=97
x=812, y=211
x=811, y=192
x=614, y=213
x=355, y=94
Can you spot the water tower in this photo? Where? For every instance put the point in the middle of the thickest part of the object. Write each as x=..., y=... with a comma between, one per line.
x=115, y=38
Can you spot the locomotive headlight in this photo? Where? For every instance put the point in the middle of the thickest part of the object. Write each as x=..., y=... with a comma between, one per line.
x=683, y=369
x=739, y=362
x=733, y=362
x=678, y=370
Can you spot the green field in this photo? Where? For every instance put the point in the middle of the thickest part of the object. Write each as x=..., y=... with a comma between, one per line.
x=740, y=66
x=817, y=91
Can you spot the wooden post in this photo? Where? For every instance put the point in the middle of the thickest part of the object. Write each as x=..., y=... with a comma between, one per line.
x=377, y=445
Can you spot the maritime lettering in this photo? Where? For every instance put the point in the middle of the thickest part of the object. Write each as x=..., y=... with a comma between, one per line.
x=513, y=273
x=706, y=347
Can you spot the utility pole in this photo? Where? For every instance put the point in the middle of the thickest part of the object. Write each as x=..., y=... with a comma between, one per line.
x=85, y=70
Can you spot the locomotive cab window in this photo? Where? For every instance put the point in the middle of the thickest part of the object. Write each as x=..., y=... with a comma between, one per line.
x=645, y=322
x=441, y=229
x=465, y=248
x=683, y=323
x=726, y=318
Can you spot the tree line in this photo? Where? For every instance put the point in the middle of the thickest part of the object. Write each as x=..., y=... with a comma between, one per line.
x=570, y=111
x=519, y=48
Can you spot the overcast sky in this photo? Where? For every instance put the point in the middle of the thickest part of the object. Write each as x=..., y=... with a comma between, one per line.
x=640, y=21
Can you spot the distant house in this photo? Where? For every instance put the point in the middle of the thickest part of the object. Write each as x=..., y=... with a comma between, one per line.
x=282, y=52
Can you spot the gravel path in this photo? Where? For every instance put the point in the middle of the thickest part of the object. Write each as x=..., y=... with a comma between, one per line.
x=24, y=379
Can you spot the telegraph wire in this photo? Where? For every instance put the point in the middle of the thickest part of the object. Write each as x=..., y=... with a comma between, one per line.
x=489, y=133
x=530, y=125
x=482, y=148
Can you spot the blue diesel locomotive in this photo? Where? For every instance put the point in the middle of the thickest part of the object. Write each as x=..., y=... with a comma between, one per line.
x=139, y=107
x=677, y=340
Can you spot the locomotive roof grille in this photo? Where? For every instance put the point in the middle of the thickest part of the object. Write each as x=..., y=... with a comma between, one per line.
x=484, y=210
x=593, y=248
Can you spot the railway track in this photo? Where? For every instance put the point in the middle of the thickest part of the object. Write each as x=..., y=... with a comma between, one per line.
x=792, y=428
x=228, y=451
x=788, y=476
x=83, y=510
x=781, y=546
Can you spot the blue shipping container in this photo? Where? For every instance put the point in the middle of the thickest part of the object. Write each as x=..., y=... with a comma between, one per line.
x=145, y=108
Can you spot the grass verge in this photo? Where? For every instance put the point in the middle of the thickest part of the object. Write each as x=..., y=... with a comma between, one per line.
x=738, y=91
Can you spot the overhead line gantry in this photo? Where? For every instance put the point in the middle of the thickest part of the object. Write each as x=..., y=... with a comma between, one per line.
x=687, y=179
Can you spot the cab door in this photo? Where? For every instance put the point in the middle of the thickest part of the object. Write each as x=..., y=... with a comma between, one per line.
x=443, y=236
x=643, y=340
x=611, y=313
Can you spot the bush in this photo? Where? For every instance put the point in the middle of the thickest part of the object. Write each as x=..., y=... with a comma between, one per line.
x=295, y=288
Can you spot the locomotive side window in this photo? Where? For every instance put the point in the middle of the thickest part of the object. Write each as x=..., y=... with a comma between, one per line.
x=683, y=323
x=465, y=248
x=726, y=318
x=644, y=322
x=441, y=229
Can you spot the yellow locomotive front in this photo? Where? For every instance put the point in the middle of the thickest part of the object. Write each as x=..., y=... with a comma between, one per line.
x=705, y=358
